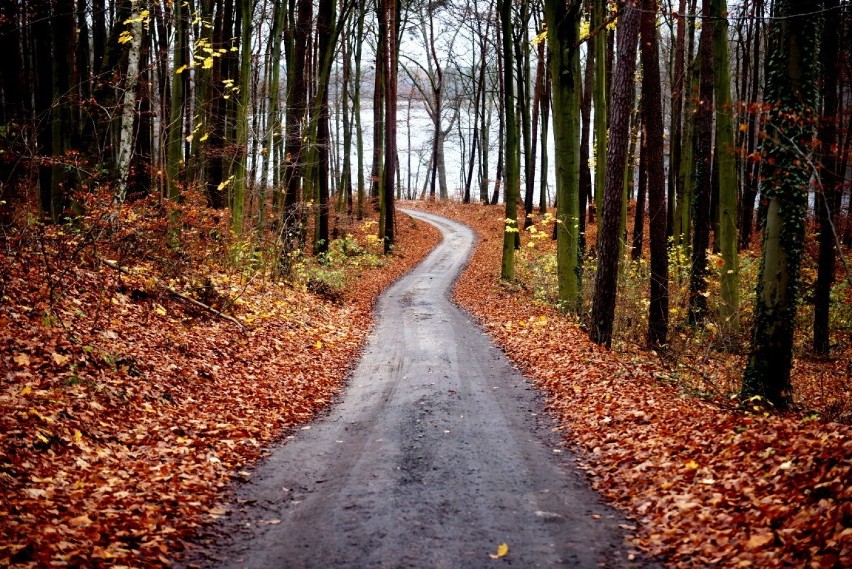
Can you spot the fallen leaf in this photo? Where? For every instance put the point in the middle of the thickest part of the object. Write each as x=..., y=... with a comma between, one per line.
x=759, y=540
x=502, y=551
x=60, y=359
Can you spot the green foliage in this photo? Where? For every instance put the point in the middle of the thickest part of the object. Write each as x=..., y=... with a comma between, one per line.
x=329, y=273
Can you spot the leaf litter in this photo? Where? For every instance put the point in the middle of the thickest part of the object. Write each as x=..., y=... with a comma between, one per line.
x=125, y=414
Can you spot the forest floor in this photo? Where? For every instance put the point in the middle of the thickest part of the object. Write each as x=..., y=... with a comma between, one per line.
x=115, y=391
x=706, y=483
x=125, y=412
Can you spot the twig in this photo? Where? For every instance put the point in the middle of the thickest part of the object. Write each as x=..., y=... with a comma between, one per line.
x=181, y=296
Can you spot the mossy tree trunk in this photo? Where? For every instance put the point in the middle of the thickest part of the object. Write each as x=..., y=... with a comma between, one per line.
x=563, y=25
x=729, y=272
x=791, y=90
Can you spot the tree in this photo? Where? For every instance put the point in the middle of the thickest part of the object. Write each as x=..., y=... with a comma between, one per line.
x=513, y=159
x=791, y=90
x=388, y=31
x=601, y=97
x=128, y=112
x=609, y=234
x=652, y=119
x=174, y=136
x=704, y=150
x=563, y=30
x=830, y=191
x=243, y=113
x=729, y=272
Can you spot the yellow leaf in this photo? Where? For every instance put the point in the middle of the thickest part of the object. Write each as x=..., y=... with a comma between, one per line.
x=318, y=345
x=208, y=63
x=180, y=69
x=539, y=38
x=502, y=551
x=203, y=138
x=22, y=359
x=125, y=37
x=59, y=358
x=691, y=465
x=26, y=390
x=160, y=310
x=78, y=436
x=41, y=437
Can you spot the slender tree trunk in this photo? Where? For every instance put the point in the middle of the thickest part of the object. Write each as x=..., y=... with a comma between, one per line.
x=641, y=191
x=174, y=136
x=609, y=237
x=243, y=112
x=536, y=108
x=389, y=63
x=274, y=125
x=701, y=208
x=752, y=166
x=828, y=199
x=652, y=119
x=378, y=126
x=726, y=166
x=601, y=98
x=128, y=109
x=545, y=124
x=298, y=34
x=586, y=198
x=356, y=109
x=513, y=166
x=676, y=126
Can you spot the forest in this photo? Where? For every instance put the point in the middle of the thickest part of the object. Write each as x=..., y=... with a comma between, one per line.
x=200, y=206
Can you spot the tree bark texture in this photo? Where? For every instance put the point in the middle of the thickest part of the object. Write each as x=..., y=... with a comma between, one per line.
x=609, y=237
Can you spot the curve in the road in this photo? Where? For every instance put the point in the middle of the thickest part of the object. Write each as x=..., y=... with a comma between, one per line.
x=436, y=453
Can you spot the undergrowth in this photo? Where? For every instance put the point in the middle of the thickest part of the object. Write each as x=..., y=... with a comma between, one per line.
x=705, y=360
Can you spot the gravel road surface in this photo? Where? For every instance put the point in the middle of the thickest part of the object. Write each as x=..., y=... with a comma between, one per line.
x=437, y=452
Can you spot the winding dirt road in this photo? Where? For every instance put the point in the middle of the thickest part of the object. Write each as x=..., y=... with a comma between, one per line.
x=437, y=452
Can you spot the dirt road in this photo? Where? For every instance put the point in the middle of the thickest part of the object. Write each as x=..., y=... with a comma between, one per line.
x=437, y=452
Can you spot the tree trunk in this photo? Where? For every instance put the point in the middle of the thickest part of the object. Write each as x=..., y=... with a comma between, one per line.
x=545, y=124
x=676, y=126
x=652, y=119
x=726, y=165
x=791, y=89
x=128, y=108
x=563, y=24
x=356, y=109
x=387, y=27
x=586, y=197
x=752, y=166
x=609, y=238
x=701, y=208
x=513, y=166
x=174, y=136
x=641, y=191
x=828, y=199
x=243, y=112
x=601, y=98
